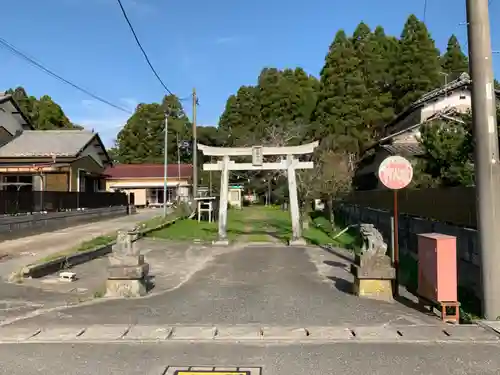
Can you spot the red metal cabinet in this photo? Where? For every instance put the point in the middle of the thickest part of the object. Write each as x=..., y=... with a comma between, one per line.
x=437, y=267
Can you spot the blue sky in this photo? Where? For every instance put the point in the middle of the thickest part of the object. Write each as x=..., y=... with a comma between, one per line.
x=215, y=46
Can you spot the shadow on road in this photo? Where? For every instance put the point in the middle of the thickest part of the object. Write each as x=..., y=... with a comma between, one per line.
x=341, y=284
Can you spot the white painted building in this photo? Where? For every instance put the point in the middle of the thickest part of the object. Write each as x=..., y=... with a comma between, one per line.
x=401, y=136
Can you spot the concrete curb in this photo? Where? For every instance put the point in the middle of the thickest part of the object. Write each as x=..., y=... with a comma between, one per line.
x=105, y=333
x=68, y=261
x=57, y=264
x=491, y=326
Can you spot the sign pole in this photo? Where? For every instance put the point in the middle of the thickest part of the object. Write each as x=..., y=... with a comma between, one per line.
x=395, y=250
x=395, y=173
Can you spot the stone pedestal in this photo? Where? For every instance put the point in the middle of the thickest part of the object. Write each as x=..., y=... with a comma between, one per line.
x=221, y=242
x=373, y=276
x=127, y=271
x=297, y=242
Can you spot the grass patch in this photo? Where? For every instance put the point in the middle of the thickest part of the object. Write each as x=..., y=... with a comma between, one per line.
x=190, y=229
x=323, y=234
x=257, y=223
x=257, y=237
x=84, y=246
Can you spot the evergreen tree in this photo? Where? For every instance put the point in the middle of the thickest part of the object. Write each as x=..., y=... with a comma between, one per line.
x=242, y=115
x=142, y=138
x=49, y=115
x=375, y=57
x=44, y=113
x=418, y=64
x=287, y=97
x=454, y=62
x=342, y=91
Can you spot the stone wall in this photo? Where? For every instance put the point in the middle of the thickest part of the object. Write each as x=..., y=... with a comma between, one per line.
x=410, y=227
x=12, y=227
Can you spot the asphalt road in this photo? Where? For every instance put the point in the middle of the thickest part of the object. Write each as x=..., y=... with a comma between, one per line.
x=273, y=285
x=345, y=359
x=247, y=285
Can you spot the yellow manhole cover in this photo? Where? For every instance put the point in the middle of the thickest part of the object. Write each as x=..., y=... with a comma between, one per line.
x=204, y=370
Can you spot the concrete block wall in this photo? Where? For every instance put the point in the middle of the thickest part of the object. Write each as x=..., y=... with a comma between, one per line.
x=12, y=227
x=410, y=227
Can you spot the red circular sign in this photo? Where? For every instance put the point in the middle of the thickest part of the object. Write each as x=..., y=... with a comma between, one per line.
x=395, y=172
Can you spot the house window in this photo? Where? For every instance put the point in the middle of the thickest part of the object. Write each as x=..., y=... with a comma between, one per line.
x=18, y=183
x=155, y=195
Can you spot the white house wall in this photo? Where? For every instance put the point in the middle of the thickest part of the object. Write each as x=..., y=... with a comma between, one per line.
x=460, y=100
x=93, y=151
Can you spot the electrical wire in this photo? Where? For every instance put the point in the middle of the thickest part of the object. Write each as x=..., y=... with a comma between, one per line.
x=425, y=10
x=141, y=48
x=14, y=50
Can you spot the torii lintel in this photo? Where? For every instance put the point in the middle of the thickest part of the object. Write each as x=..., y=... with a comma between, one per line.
x=266, y=150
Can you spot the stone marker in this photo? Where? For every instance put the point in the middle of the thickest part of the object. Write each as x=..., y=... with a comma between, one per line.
x=373, y=271
x=127, y=271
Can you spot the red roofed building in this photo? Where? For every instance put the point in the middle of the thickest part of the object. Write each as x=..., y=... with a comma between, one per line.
x=147, y=183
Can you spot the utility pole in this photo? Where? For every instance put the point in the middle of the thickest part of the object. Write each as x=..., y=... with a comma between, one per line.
x=165, y=163
x=486, y=153
x=195, y=147
x=178, y=159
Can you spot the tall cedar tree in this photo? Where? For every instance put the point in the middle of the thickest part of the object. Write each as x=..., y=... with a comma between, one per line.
x=418, y=64
x=454, y=62
x=286, y=96
x=342, y=91
x=241, y=116
x=374, y=55
x=142, y=138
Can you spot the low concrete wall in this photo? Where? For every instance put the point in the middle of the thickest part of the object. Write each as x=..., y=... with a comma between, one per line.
x=12, y=227
x=410, y=227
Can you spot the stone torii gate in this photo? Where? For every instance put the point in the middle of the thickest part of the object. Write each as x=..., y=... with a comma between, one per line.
x=290, y=164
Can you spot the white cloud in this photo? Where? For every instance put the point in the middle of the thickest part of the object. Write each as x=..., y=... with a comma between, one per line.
x=226, y=39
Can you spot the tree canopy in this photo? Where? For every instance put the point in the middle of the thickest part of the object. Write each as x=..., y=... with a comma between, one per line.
x=44, y=113
x=367, y=78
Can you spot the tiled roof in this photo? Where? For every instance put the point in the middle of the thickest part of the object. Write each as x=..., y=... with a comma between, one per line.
x=148, y=171
x=404, y=149
x=45, y=143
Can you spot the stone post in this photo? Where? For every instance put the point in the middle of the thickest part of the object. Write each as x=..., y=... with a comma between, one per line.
x=127, y=271
x=224, y=191
x=294, y=203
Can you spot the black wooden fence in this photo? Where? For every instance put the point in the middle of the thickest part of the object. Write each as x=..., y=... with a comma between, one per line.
x=19, y=202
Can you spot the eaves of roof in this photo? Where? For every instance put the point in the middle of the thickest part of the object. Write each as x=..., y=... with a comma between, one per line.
x=6, y=98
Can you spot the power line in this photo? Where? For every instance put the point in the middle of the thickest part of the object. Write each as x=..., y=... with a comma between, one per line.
x=425, y=10
x=142, y=49
x=11, y=48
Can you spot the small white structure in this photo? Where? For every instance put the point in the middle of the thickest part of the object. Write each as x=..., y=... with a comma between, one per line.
x=236, y=196
x=67, y=276
x=290, y=164
x=205, y=205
